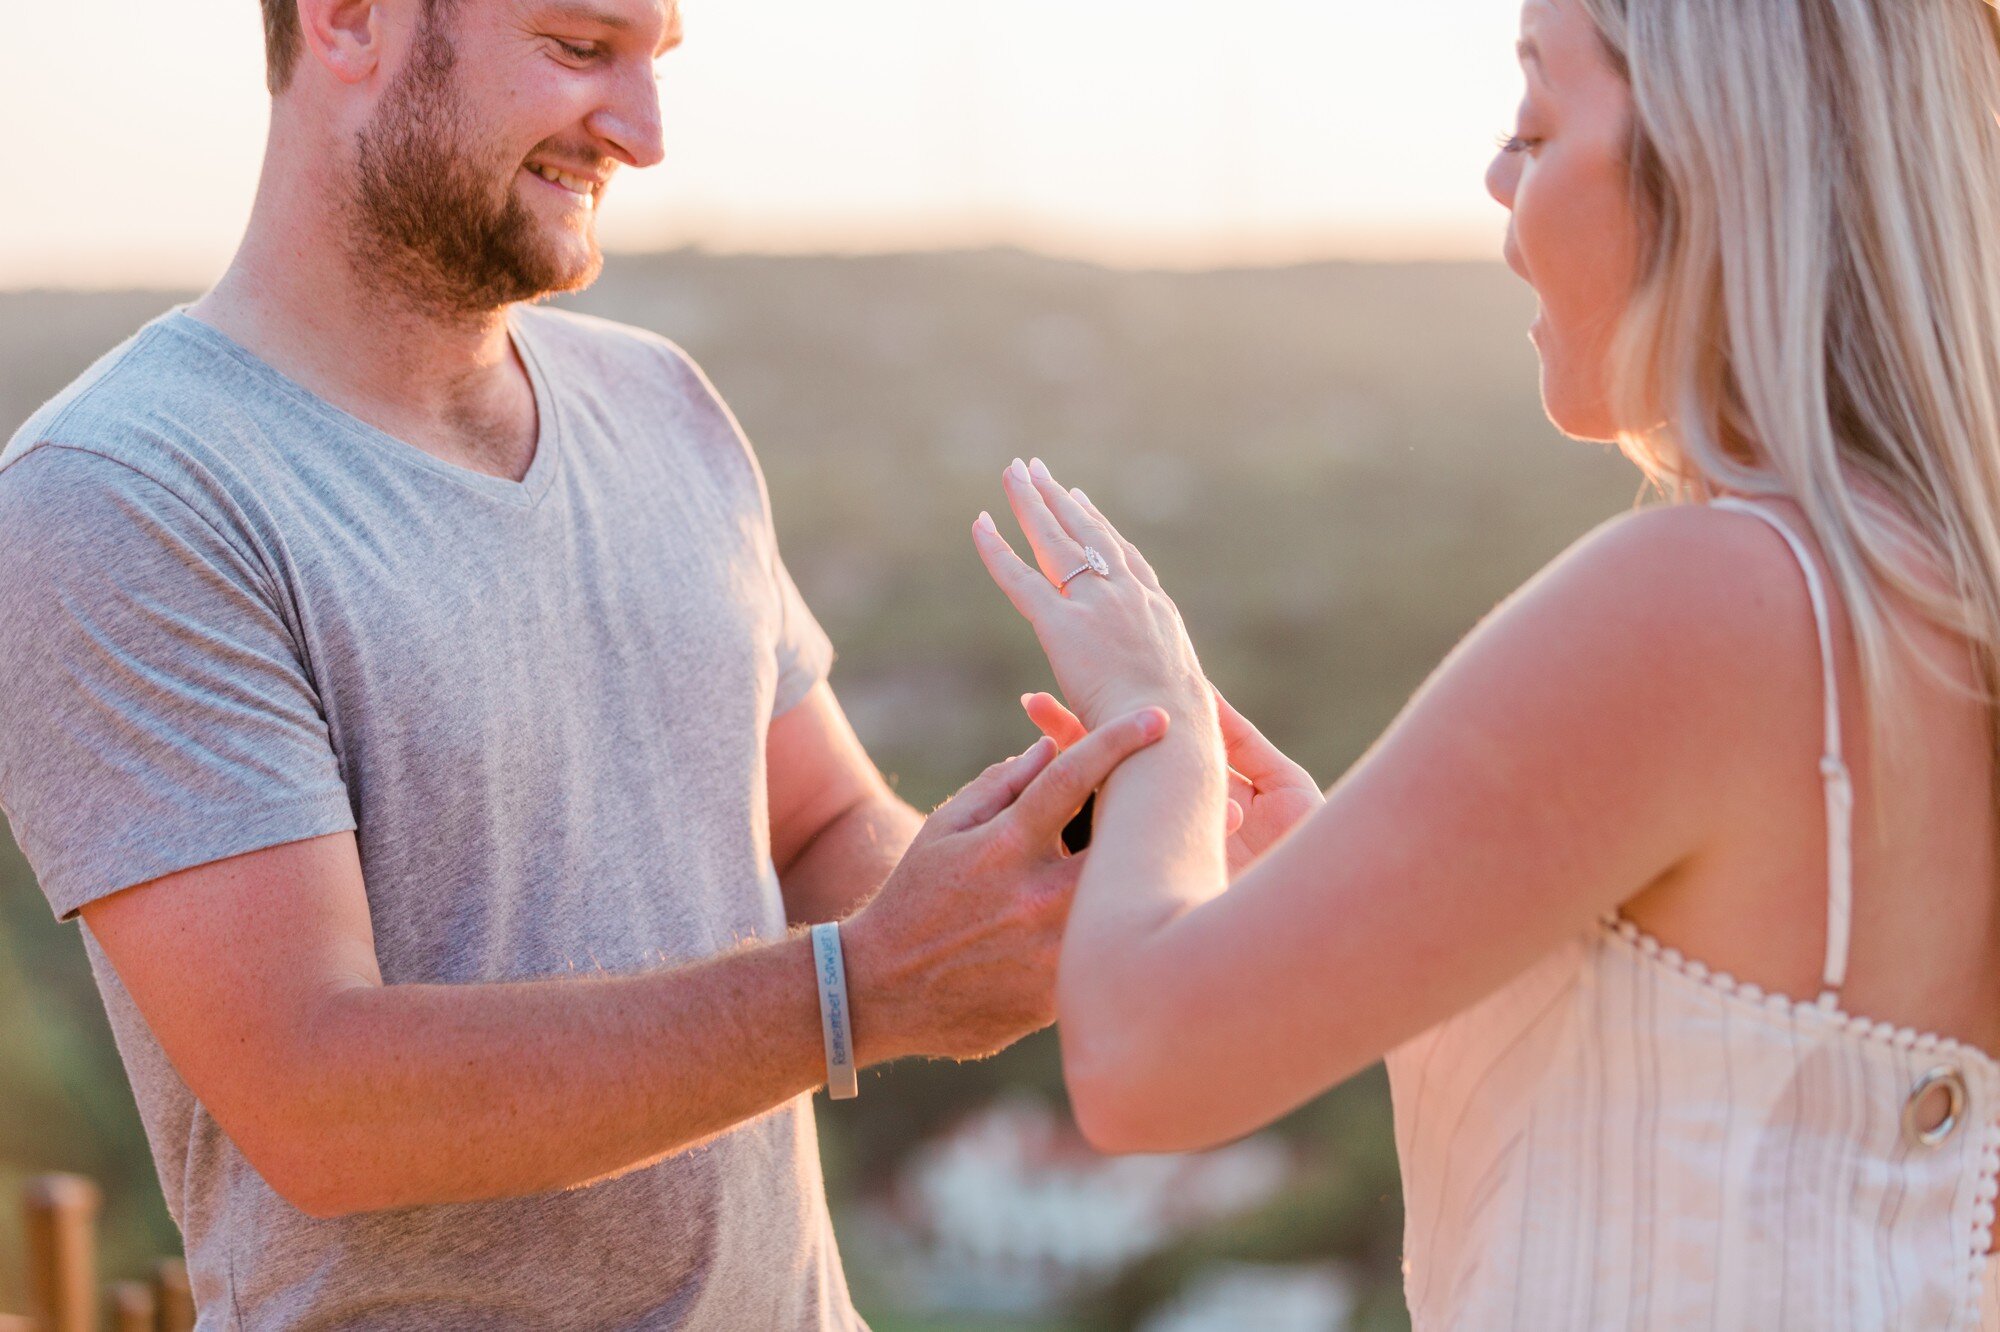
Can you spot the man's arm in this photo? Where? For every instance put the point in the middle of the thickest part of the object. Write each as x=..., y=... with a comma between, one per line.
x=258, y=976
x=837, y=830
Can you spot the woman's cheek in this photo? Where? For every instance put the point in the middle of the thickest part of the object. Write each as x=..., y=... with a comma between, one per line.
x=1581, y=270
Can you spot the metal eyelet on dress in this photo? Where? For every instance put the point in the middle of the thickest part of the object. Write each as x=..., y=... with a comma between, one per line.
x=1953, y=1084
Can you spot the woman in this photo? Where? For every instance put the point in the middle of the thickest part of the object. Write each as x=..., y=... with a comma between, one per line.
x=1753, y=727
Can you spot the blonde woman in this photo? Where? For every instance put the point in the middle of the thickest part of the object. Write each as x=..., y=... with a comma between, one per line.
x=1671, y=898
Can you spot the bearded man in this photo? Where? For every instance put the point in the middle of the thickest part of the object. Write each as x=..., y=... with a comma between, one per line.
x=403, y=685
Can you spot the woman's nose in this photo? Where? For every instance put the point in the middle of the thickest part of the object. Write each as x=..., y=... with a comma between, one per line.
x=1502, y=174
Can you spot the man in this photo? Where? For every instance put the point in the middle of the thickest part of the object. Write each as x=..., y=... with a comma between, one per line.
x=403, y=685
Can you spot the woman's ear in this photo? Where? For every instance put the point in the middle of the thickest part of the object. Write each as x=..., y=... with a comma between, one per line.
x=344, y=36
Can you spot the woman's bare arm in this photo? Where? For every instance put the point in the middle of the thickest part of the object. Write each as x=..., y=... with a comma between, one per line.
x=1580, y=744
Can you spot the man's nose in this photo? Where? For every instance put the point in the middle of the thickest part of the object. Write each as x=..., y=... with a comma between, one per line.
x=630, y=120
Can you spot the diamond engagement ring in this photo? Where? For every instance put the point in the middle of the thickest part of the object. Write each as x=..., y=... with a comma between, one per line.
x=1092, y=563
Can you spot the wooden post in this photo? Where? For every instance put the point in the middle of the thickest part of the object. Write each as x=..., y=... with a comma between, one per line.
x=132, y=1307
x=62, y=1252
x=176, y=1299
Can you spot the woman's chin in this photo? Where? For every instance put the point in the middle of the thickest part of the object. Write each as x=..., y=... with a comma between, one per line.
x=1578, y=412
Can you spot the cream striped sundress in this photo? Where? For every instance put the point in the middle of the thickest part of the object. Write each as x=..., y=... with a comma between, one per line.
x=1621, y=1138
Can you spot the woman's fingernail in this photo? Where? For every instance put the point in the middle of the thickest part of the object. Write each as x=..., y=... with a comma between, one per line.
x=985, y=520
x=1152, y=724
x=1018, y=470
x=1040, y=469
x=1076, y=493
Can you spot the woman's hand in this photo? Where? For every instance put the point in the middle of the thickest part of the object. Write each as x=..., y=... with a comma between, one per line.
x=1115, y=640
x=1269, y=794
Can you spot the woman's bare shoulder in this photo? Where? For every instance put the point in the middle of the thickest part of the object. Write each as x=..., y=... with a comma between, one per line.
x=1667, y=643
x=1694, y=585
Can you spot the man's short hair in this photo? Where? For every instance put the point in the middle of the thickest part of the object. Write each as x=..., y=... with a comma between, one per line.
x=284, y=40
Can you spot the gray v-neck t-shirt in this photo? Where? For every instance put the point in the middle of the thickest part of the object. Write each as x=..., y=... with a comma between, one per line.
x=233, y=616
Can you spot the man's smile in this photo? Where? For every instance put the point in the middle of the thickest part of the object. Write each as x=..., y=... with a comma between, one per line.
x=577, y=186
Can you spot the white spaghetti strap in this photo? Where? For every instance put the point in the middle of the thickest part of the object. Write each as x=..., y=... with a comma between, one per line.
x=1832, y=767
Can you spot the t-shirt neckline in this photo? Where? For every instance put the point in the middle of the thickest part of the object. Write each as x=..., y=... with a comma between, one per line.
x=526, y=493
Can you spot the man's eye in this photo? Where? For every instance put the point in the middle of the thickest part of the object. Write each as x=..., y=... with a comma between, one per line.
x=575, y=52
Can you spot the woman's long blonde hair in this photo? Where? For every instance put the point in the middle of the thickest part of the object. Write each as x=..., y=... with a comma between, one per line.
x=1818, y=315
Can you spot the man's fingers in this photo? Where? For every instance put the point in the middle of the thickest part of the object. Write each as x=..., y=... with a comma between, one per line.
x=1055, y=721
x=1059, y=724
x=1061, y=788
x=1028, y=590
x=982, y=798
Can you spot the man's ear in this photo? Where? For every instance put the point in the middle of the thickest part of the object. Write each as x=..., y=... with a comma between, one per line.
x=345, y=36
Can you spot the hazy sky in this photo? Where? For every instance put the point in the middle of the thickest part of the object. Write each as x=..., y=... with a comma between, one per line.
x=1136, y=131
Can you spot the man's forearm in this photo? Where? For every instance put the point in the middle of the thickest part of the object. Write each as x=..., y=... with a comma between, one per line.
x=848, y=859
x=411, y=1094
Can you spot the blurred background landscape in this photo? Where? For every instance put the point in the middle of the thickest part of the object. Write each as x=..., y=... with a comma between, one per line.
x=1336, y=467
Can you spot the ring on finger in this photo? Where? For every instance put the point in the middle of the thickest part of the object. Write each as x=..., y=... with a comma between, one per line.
x=1093, y=562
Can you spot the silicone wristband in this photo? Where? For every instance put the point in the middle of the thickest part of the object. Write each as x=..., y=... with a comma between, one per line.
x=835, y=1029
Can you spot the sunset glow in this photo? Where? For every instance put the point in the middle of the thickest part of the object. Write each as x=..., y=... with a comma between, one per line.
x=1165, y=132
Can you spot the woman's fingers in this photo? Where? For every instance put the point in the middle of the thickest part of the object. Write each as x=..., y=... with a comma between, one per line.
x=1055, y=795
x=1056, y=551
x=1263, y=763
x=980, y=799
x=1241, y=789
x=1030, y=592
x=1054, y=720
x=1083, y=527
x=1133, y=559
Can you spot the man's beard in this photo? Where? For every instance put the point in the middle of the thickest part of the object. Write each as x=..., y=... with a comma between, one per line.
x=427, y=222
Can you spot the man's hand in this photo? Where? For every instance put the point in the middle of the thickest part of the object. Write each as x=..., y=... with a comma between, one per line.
x=1269, y=794
x=956, y=956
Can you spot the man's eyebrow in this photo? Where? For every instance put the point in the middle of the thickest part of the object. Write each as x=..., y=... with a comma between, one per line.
x=579, y=12
x=586, y=13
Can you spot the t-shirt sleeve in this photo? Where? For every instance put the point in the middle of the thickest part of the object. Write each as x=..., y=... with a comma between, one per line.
x=805, y=653
x=154, y=712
